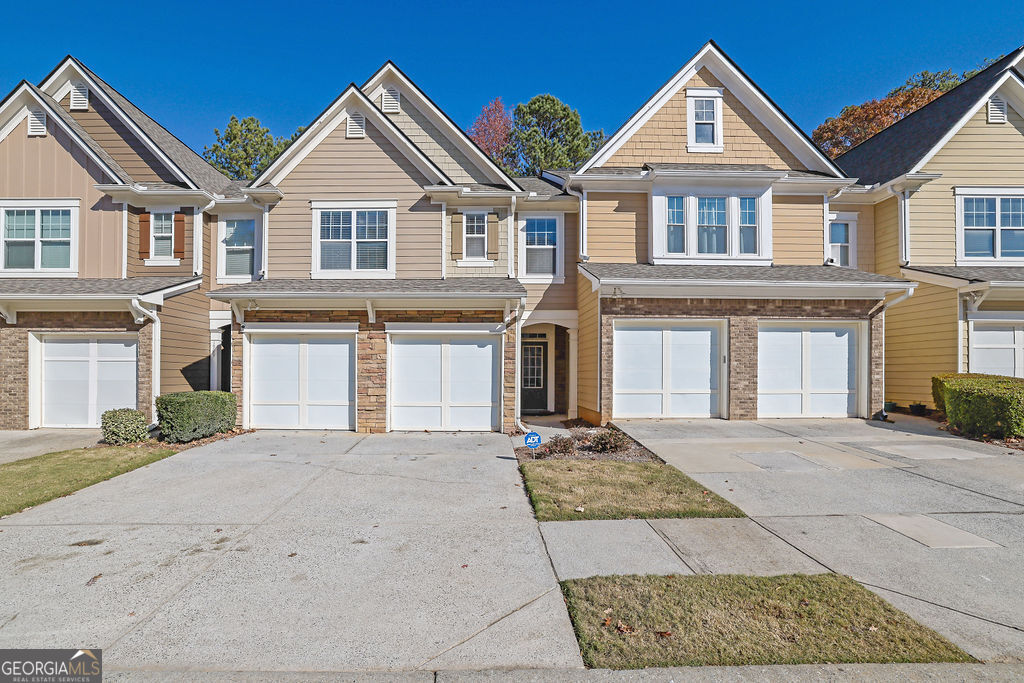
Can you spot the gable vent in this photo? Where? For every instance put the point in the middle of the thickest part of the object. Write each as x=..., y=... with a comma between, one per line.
x=356, y=125
x=79, y=96
x=390, y=101
x=997, y=110
x=36, y=122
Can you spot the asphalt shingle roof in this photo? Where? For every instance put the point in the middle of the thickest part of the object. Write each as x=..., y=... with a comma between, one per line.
x=975, y=273
x=766, y=274
x=540, y=186
x=458, y=286
x=71, y=287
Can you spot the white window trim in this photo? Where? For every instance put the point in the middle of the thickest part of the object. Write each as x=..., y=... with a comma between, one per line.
x=37, y=204
x=693, y=94
x=389, y=205
x=659, y=224
x=468, y=262
x=161, y=260
x=850, y=218
x=257, y=249
x=1016, y=192
x=559, y=275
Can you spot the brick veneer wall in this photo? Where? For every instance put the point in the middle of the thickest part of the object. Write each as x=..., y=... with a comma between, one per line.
x=743, y=316
x=371, y=355
x=14, y=363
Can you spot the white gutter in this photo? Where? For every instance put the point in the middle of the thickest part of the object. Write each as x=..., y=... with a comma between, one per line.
x=517, y=414
x=582, y=218
x=198, y=237
x=513, y=221
x=221, y=295
x=124, y=240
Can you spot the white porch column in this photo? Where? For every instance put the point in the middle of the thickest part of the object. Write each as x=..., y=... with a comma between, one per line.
x=215, y=349
x=571, y=409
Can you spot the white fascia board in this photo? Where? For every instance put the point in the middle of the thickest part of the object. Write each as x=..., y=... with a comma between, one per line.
x=159, y=296
x=305, y=328
x=735, y=289
x=425, y=106
x=52, y=85
x=137, y=195
x=444, y=328
x=934, y=278
x=357, y=296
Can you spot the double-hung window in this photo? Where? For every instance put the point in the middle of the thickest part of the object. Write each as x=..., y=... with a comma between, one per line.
x=702, y=225
x=841, y=239
x=162, y=229
x=37, y=239
x=239, y=257
x=540, y=248
x=712, y=229
x=992, y=227
x=353, y=242
x=475, y=228
x=676, y=226
x=748, y=225
x=704, y=120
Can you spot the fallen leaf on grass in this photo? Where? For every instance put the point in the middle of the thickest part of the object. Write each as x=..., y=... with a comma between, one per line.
x=872, y=628
x=664, y=634
x=93, y=580
x=607, y=621
x=624, y=628
x=579, y=509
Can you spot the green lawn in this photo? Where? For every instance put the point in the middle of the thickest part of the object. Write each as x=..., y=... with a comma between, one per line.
x=608, y=489
x=29, y=482
x=632, y=622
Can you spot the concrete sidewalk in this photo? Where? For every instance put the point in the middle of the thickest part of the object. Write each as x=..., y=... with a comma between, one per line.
x=17, y=445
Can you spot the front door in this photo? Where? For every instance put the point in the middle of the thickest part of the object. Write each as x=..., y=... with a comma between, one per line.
x=534, y=389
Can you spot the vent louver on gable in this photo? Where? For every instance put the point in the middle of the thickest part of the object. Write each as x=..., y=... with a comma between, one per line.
x=79, y=96
x=356, y=127
x=36, y=122
x=390, y=100
x=997, y=110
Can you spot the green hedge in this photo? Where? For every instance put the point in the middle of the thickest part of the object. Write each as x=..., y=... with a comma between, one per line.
x=123, y=426
x=191, y=415
x=982, y=405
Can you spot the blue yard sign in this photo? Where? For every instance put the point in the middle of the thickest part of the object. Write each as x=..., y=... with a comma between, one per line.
x=533, y=439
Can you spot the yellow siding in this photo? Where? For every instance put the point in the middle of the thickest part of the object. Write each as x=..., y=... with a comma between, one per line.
x=351, y=169
x=745, y=139
x=561, y=297
x=588, y=350
x=617, y=227
x=865, y=233
x=185, y=343
x=887, y=237
x=920, y=341
x=980, y=154
x=798, y=230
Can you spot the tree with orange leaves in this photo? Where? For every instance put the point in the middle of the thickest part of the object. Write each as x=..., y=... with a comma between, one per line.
x=857, y=122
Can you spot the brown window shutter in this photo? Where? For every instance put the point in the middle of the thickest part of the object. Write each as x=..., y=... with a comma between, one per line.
x=492, y=236
x=179, y=234
x=143, y=235
x=456, y=236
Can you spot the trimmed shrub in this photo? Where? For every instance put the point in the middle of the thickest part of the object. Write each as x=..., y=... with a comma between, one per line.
x=981, y=405
x=609, y=440
x=123, y=426
x=561, y=445
x=191, y=415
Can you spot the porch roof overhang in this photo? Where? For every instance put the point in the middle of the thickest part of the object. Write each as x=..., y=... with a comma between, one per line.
x=138, y=295
x=978, y=283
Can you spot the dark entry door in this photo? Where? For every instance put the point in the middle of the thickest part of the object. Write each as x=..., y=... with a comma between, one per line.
x=534, y=377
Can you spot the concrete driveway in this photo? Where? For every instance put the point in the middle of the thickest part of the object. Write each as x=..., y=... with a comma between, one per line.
x=294, y=551
x=930, y=521
x=15, y=445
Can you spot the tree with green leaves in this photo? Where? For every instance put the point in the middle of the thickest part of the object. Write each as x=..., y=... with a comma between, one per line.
x=547, y=134
x=245, y=148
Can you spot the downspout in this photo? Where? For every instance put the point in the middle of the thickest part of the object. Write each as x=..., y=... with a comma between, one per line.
x=582, y=237
x=124, y=240
x=512, y=221
x=519, y=346
x=141, y=314
x=881, y=308
x=903, y=220
x=199, y=237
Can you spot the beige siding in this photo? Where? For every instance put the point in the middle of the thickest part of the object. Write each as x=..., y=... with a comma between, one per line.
x=136, y=265
x=561, y=296
x=887, y=237
x=980, y=154
x=745, y=139
x=210, y=253
x=865, y=232
x=617, y=227
x=798, y=230
x=920, y=341
x=55, y=166
x=115, y=137
x=588, y=348
x=185, y=343
x=344, y=169
x=500, y=267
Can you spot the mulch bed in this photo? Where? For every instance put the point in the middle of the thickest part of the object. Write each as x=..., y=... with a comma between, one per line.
x=583, y=436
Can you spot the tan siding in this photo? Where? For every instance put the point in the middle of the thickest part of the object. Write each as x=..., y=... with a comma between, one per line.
x=210, y=254
x=367, y=168
x=798, y=230
x=887, y=237
x=588, y=347
x=185, y=343
x=920, y=341
x=663, y=138
x=136, y=266
x=563, y=296
x=54, y=166
x=500, y=267
x=865, y=233
x=980, y=154
x=115, y=137
x=617, y=227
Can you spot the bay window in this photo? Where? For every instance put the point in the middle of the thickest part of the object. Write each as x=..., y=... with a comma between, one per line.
x=353, y=239
x=702, y=225
x=990, y=225
x=38, y=239
x=541, y=239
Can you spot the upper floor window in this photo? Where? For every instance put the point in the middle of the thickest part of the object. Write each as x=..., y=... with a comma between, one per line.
x=704, y=120
x=354, y=242
x=748, y=225
x=712, y=227
x=541, y=248
x=238, y=258
x=692, y=226
x=842, y=239
x=991, y=226
x=163, y=235
x=676, y=226
x=475, y=236
x=38, y=239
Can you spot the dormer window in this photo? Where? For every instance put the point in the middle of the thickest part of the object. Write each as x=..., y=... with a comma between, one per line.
x=704, y=120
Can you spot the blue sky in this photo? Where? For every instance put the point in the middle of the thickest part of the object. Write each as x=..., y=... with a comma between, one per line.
x=191, y=68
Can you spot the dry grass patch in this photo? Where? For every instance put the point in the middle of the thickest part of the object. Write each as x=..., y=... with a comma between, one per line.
x=607, y=489
x=632, y=622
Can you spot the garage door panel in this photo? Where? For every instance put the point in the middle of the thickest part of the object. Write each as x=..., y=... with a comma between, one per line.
x=117, y=349
x=418, y=363
x=115, y=385
x=807, y=371
x=832, y=363
x=276, y=370
x=269, y=415
x=683, y=405
x=993, y=335
x=416, y=417
x=66, y=391
x=779, y=405
x=780, y=365
x=472, y=365
x=471, y=417
x=993, y=361
x=330, y=377
x=833, y=405
x=82, y=377
x=694, y=353
x=638, y=358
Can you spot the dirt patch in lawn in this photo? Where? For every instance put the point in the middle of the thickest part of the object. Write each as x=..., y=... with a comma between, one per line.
x=633, y=622
x=589, y=443
x=601, y=489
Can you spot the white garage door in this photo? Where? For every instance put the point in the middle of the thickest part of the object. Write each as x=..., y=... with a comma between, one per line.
x=666, y=370
x=807, y=371
x=997, y=349
x=83, y=377
x=445, y=383
x=302, y=382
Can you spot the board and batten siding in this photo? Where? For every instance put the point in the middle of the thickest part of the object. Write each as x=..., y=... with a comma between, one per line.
x=55, y=166
x=662, y=139
x=617, y=227
x=798, y=230
x=588, y=359
x=355, y=169
x=559, y=297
